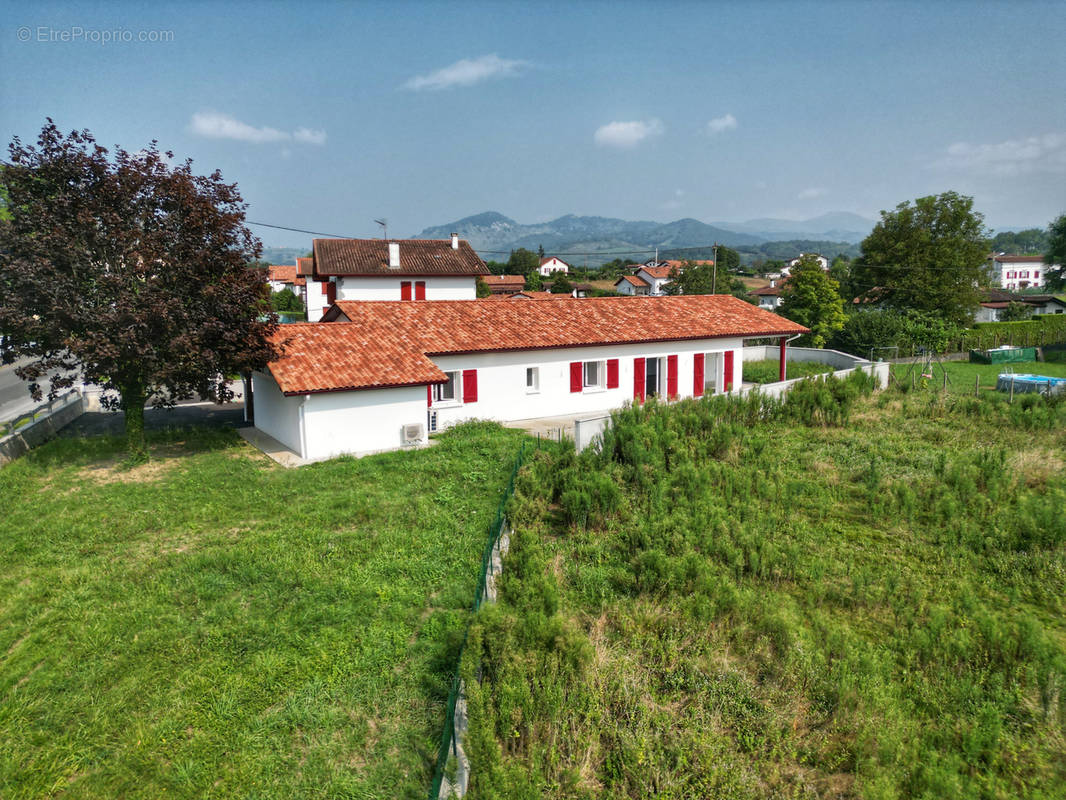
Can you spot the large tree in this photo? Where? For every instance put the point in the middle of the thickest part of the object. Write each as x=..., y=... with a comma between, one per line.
x=1055, y=279
x=812, y=298
x=128, y=271
x=928, y=256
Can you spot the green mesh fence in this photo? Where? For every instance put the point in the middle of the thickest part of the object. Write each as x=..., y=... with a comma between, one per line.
x=447, y=741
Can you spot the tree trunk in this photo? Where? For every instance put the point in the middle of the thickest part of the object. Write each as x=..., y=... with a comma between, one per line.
x=133, y=406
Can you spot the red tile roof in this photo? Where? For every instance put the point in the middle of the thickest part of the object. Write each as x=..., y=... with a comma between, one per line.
x=546, y=259
x=504, y=283
x=388, y=343
x=657, y=272
x=633, y=279
x=303, y=266
x=286, y=274
x=417, y=257
x=1019, y=259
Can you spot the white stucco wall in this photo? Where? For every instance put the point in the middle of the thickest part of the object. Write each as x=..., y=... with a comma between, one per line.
x=501, y=377
x=361, y=422
x=315, y=300
x=387, y=287
x=275, y=414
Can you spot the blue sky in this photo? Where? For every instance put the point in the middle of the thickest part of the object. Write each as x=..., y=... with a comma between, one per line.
x=330, y=114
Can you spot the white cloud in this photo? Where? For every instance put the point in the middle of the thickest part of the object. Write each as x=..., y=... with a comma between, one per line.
x=467, y=72
x=721, y=124
x=811, y=193
x=1008, y=158
x=627, y=134
x=308, y=136
x=214, y=125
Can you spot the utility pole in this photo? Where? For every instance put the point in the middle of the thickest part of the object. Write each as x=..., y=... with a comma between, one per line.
x=714, y=271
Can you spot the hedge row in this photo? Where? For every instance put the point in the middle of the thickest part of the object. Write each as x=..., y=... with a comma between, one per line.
x=1040, y=330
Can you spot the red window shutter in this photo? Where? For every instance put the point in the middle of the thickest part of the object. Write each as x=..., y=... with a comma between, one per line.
x=331, y=293
x=429, y=395
x=638, y=379
x=612, y=373
x=575, y=376
x=697, y=375
x=405, y=290
x=420, y=290
x=469, y=385
x=671, y=376
x=727, y=379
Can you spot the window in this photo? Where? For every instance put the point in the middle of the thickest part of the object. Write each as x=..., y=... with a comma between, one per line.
x=1036, y=274
x=594, y=374
x=710, y=373
x=446, y=392
x=405, y=290
x=532, y=380
x=420, y=290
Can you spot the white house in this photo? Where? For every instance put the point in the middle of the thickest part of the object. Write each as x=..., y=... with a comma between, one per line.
x=822, y=261
x=994, y=301
x=656, y=277
x=397, y=269
x=552, y=264
x=1018, y=272
x=281, y=276
x=632, y=285
x=770, y=296
x=315, y=293
x=385, y=374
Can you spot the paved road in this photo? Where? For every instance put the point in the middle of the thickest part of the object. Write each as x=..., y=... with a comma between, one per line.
x=14, y=392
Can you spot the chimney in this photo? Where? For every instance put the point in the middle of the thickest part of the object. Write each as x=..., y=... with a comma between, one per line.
x=394, y=255
x=455, y=241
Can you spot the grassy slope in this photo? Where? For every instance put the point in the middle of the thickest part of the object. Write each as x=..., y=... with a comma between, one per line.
x=876, y=610
x=211, y=625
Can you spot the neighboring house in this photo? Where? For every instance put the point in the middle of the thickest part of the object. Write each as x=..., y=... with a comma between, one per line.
x=769, y=296
x=552, y=264
x=1017, y=272
x=631, y=284
x=656, y=277
x=526, y=294
x=405, y=269
x=505, y=284
x=994, y=301
x=822, y=261
x=377, y=376
x=580, y=289
x=282, y=277
x=316, y=293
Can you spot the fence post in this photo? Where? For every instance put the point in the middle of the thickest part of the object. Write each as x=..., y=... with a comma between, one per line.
x=977, y=386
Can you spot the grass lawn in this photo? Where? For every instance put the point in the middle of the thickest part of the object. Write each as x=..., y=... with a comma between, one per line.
x=963, y=374
x=729, y=603
x=769, y=371
x=212, y=625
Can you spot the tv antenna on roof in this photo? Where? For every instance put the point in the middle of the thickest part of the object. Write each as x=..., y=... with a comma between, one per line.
x=384, y=223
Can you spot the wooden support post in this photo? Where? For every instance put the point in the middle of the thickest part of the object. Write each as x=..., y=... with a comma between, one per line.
x=977, y=386
x=781, y=370
x=945, y=380
x=1012, y=390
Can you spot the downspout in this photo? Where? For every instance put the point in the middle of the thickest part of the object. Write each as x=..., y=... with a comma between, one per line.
x=784, y=345
x=303, y=428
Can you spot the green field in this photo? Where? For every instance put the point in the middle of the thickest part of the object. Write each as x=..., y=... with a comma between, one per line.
x=748, y=601
x=962, y=375
x=769, y=371
x=212, y=625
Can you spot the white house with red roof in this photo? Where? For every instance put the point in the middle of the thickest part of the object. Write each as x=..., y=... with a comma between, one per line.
x=1018, y=272
x=552, y=264
x=315, y=293
x=396, y=269
x=377, y=376
x=632, y=285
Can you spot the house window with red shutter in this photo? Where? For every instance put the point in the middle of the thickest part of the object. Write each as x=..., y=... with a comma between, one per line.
x=638, y=379
x=727, y=379
x=331, y=293
x=612, y=373
x=671, y=376
x=420, y=290
x=697, y=375
x=469, y=385
x=446, y=392
x=405, y=290
x=575, y=376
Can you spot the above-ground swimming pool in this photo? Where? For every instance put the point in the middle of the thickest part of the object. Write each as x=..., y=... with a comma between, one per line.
x=1024, y=383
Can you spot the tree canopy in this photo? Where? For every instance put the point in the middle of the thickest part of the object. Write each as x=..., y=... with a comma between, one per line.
x=1055, y=254
x=127, y=271
x=693, y=278
x=522, y=262
x=929, y=256
x=728, y=259
x=561, y=284
x=811, y=298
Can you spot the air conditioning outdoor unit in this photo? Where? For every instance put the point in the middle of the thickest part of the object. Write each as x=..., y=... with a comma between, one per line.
x=412, y=434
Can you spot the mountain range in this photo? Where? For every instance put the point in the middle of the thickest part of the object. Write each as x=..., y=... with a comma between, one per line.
x=494, y=235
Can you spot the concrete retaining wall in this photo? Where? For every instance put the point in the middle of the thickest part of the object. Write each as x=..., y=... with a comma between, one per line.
x=40, y=431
